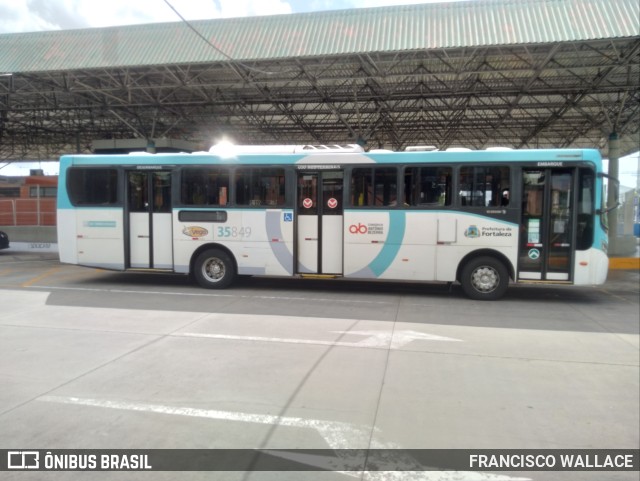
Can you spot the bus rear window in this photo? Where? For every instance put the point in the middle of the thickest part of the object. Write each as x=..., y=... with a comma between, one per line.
x=91, y=186
x=586, y=209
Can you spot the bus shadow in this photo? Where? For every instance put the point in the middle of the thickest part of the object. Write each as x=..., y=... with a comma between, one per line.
x=172, y=284
x=422, y=290
x=535, y=307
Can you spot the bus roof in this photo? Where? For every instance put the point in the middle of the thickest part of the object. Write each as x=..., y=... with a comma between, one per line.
x=338, y=158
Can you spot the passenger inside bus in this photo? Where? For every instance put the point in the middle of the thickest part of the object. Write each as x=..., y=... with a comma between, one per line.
x=505, y=198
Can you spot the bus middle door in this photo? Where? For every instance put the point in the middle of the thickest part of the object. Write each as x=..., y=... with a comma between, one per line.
x=150, y=220
x=319, y=240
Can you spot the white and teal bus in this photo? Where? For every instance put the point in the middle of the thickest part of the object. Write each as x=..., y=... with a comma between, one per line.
x=481, y=218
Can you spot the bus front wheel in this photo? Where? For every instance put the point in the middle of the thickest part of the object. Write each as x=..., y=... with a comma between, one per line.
x=214, y=269
x=484, y=279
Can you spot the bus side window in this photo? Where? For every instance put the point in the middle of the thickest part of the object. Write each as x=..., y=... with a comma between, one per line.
x=386, y=186
x=204, y=186
x=260, y=186
x=483, y=186
x=428, y=186
x=505, y=198
x=92, y=186
x=376, y=186
x=361, y=189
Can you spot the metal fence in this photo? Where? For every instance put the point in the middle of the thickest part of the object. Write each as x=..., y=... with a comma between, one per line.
x=28, y=212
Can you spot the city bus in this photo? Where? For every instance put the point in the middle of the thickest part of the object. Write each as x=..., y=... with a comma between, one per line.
x=482, y=218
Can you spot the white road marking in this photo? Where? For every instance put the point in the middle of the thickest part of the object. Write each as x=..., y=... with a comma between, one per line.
x=437, y=476
x=374, y=339
x=337, y=435
x=401, y=459
x=268, y=339
x=395, y=339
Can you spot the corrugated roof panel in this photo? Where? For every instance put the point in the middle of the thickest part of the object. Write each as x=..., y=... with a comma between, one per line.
x=426, y=26
x=536, y=19
x=523, y=23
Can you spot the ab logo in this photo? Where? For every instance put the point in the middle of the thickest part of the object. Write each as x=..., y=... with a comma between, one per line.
x=358, y=229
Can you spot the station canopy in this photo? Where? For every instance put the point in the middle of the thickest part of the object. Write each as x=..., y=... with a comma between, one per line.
x=476, y=74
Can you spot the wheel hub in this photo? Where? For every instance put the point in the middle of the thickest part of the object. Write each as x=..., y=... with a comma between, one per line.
x=485, y=279
x=214, y=269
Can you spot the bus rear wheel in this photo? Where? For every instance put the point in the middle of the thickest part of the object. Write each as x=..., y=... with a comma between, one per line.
x=484, y=279
x=214, y=269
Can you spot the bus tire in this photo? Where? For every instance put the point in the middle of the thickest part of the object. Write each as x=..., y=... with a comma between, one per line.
x=214, y=269
x=484, y=279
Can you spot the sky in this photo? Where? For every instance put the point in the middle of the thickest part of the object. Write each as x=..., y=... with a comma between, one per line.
x=37, y=15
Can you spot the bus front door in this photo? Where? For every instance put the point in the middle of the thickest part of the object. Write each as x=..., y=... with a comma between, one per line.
x=319, y=212
x=149, y=220
x=547, y=236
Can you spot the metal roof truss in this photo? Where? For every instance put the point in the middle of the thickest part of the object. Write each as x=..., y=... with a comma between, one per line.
x=570, y=94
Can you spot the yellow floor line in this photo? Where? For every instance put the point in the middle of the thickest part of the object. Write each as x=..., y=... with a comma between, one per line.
x=40, y=277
